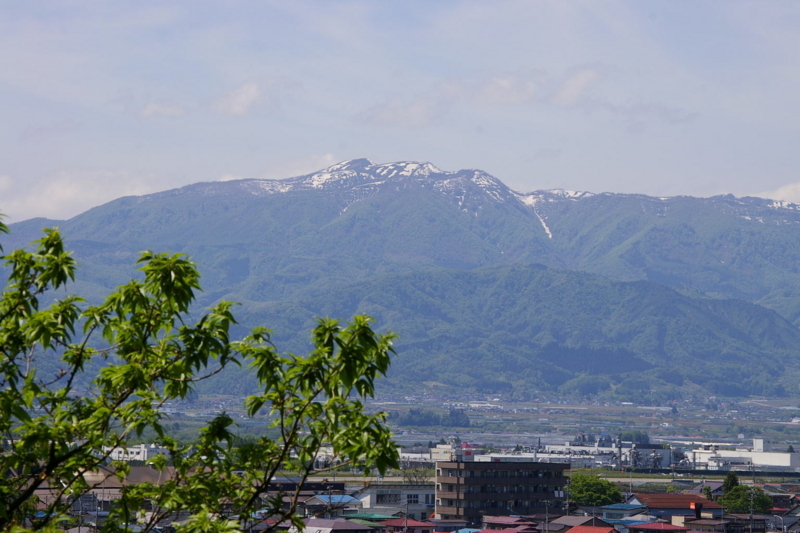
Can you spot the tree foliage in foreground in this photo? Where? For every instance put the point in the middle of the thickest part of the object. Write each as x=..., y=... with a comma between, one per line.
x=55, y=432
x=591, y=490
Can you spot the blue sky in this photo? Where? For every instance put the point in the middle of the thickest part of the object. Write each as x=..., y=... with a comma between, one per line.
x=105, y=99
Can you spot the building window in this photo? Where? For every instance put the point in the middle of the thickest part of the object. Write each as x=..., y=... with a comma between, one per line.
x=412, y=498
x=388, y=498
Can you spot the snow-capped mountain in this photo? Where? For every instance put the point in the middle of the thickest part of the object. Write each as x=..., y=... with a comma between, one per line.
x=408, y=237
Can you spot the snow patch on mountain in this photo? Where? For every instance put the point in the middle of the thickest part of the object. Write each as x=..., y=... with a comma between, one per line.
x=782, y=204
x=572, y=195
x=529, y=199
x=544, y=224
x=258, y=187
x=349, y=165
x=532, y=198
x=404, y=168
x=319, y=180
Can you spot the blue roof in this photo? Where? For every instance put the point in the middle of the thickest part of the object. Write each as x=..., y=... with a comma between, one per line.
x=336, y=498
x=627, y=522
x=622, y=507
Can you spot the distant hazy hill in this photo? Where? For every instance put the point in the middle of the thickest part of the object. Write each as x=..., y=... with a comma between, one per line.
x=403, y=241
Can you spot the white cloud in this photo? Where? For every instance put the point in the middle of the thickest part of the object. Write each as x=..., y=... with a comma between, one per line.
x=5, y=183
x=507, y=90
x=573, y=87
x=788, y=193
x=240, y=101
x=416, y=112
x=65, y=194
x=155, y=109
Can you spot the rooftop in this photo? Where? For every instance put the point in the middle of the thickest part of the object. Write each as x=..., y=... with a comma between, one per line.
x=403, y=522
x=591, y=529
x=659, y=526
x=622, y=507
x=674, y=501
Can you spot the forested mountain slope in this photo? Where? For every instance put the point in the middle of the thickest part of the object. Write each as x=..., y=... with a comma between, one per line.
x=354, y=236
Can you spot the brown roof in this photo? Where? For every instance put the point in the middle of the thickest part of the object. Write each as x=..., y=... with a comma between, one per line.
x=507, y=520
x=674, y=501
x=591, y=529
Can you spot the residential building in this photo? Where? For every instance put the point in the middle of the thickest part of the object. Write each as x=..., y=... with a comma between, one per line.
x=669, y=505
x=656, y=527
x=339, y=525
x=575, y=520
x=515, y=524
x=591, y=529
x=619, y=511
x=331, y=505
x=495, y=485
x=416, y=501
x=406, y=525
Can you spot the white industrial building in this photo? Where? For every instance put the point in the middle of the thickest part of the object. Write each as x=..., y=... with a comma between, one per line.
x=759, y=458
x=141, y=452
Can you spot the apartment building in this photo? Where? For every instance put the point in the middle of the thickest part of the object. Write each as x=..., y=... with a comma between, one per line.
x=470, y=490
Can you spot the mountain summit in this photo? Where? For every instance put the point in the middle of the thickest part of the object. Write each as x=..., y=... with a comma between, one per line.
x=532, y=288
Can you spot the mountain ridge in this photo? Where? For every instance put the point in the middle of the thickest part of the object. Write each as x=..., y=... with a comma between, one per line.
x=274, y=242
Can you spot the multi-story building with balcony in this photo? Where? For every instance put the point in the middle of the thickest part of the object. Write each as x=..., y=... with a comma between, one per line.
x=497, y=486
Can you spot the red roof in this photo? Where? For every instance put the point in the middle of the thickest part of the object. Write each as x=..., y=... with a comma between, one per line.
x=674, y=501
x=658, y=526
x=591, y=529
x=402, y=522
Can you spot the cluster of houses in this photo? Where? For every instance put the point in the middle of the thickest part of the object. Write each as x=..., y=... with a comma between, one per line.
x=485, y=494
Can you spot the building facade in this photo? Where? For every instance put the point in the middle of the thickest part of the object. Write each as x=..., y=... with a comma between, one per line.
x=141, y=452
x=414, y=500
x=471, y=490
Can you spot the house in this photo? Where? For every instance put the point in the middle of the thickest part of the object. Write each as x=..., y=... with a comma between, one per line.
x=415, y=500
x=705, y=525
x=656, y=527
x=591, y=529
x=448, y=526
x=713, y=487
x=339, y=525
x=618, y=511
x=756, y=523
x=574, y=521
x=510, y=524
x=669, y=505
x=331, y=505
x=403, y=525
x=518, y=529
